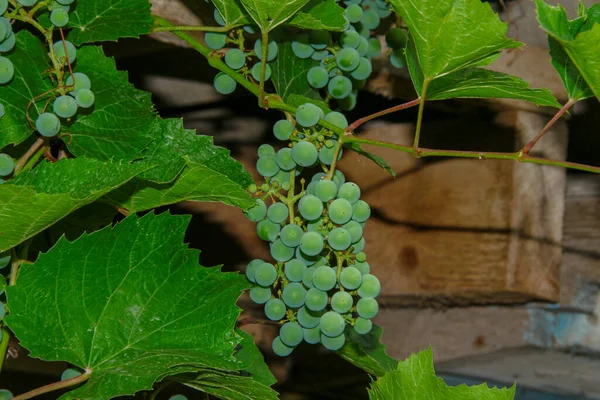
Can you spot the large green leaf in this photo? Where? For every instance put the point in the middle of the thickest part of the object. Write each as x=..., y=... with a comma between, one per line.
x=320, y=15
x=35, y=200
x=102, y=20
x=231, y=11
x=415, y=379
x=269, y=14
x=367, y=352
x=574, y=47
x=290, y=74
x=450, y=35
x=196, y=183
x=30, y=60
x=119, y=124
x=129, y=304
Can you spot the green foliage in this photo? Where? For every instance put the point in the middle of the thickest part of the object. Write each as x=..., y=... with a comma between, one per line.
x=415, y=379
x=269, y=14
x=289, y=74
x=320, y=15
x=129, y=304
x=231, y=11
x=367, y=353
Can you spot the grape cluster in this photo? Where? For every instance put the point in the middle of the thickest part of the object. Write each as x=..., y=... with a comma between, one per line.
x=238, y=58
x=318, y=286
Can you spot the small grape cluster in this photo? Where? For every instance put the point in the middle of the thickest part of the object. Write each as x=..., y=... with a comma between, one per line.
x=319, y=286
x=237, y=58
x=7, y=43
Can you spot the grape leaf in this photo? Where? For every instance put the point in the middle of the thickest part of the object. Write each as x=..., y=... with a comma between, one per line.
x=129, y=304
x=30, y=60
x=119, y=124
x=450, y=35
x=101, y=20
x=356, y=147
x=289, y=74
x=320, y=15
x=574, y=47
x=367, y=352
x=196, y=183
x=231, y=11
x=37, y=199
x=254, y=359
x=269, y=14
x=415, y=379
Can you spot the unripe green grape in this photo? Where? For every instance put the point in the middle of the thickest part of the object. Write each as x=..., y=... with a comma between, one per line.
x=267, y=166
x=266, y=150
x=65, y=106
x=398, y=59
x=370, y=286
x=315, y=225
x=277, y=212
x=272, y=49
x=396, y=38
x=367, y=307
x=2, y=310
x=308, y=319
x=358, y=84
x=260, y=295
x=301, y=47
x=275, y=309
x=5, y=29
x=361, y=211
x=332, y=324
x=362, y=30
x=338, y=119
x=363, y=326
x=324, y=278
x=349, y=191
x=317, y=77
x=4, y=393
x=256, y=71
x=308, y=274
x=333, y=343
x=310, y=207
x=316, y=300
x=384, y=12
x=340, y=211
x=308, y=260
x=258, y=212
x=178, y=397
x=358, y=246
x=339, y=87
x=235, y=58
x=59, y=18
x=85, y=98
x=363, y=47
x=55, y=5
x=370, y=19
x=3, y=6
x=8, y=44
x=305, y=154
x=294, y=294
x=319, y=55
x=350, y=39
x=66, y=2
x=341, y=302
x=348, y=103
x=354, y=13
x=374, y=48
x=291, y=235
x=218, y=18
x=347, y=59
x=7, y=70
x=286, y=186
x=265, y=274
x=71, y=51
x=325, y=190
x=326, y=154
x=7, y=164
x=81, y=82
x=69, y=373
x=215, y=40
x=308, y=115
x=251, y=269
x=224, y=84
x=283, y=129
x=251, y=29
x=281, y=252
x=364, y=69
x=291, y=334
x=5, y=259
x=47, y=124
x=312, y=335
x=280, y=178
x=280, y=348
x=339, y=178
x=318, y=177
x=339, y=239
x=27, y=3
x=285, y=160
x=351, y=278
x=311, y=243
x=361, y=257
x=319, y=39
x=355, y=230
x=294, y=269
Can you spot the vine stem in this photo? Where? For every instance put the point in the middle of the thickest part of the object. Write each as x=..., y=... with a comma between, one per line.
x=186, y=28
x=28, y=154
x=415, y=149
x=353, y=126
x=263, y=68
x=527, y=148
x=4, y=345
x=256, y=321
x=336, y=154
x=54, y=386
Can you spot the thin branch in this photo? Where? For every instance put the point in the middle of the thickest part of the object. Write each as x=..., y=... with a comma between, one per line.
x=256, y=321
x=185, y=28
x=54, y=386
x=23, y=160
x=4, y=345
x=353, y=126
x=336, y=154
x=415, y=149
x=527, y=148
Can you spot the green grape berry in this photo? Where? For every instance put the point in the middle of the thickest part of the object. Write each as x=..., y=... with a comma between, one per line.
x=341, y=302
x=291, y=334
x=306, y=277
x=374, y=48
x=267, y=166
x=7, y=164
x=256, y=72
x=260, y=295
x=283, y=129
x=59, y=17
x=312, y=335
x=324, y=278
x=363, y=326
x=258, y=212
x=355, y=230
x=396, y=38
x=305, y=154
x=275, y=309
x=218, y=18
x=285, y=160
x=291, y=235
x=27, y=3
x=47, y=124
x=308, y=115
x=265, y=275
x=327, y=153
x=339, y=178
x=79, y=81
x=347, y=59
x=311, y=243
x=318, y=77
x=332, y=324
x=266, y=150
x=347, y=103
x=333, y=343
x=364, y=69
x=349, y=191
x=69, y=373
x=4, y=393
x=294, y=295
x=370, y=286
x=235, y=58
x=308, y=319
x=64, y=50
x=224, y=84
x=281, y=349
x=351, y=278
x=294, y=269
x=319, y=55
x=85, y=98
x=358, y=246
x=316, y=300
x=340, y=211
x=7, y=70
x=65, y=106
x=281, y=252
x=361, y=257
x=361, y=211
x=370, y=19
x=308, y=260
x=215, y=40
x=398, y=58
x=3, y=6
x=339, y=239
x=325, y=190
x=5, y=259
x=8, y=44
x=310, y=207
x=338, y=119
x=277, y=212
x=272, y=50
x=354, y=13
x=66, y=2
x=339, y=87
x=319, y=39
x=5, y=28
x=367, y=307
x=301, y=46
x=350, y=39
x=251, y=269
